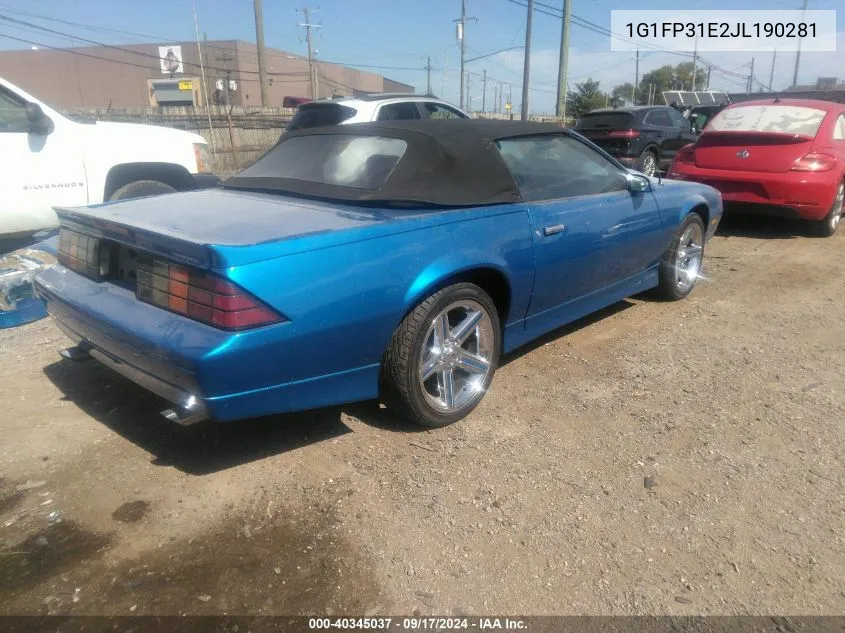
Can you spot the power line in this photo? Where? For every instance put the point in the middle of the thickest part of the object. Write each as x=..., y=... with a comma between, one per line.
x=149, y=38
x=82, y=39
x=38, y=27
x=592, y=26
x=74, y=51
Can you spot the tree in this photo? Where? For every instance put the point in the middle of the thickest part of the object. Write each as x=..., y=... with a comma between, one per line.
x=584, y=98
x=669, y=78
x=683, y=73
x=662, y=79
x=621, y=95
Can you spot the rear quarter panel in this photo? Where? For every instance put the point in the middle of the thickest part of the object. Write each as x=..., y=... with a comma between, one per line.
x=677, y=199
x=343, y=302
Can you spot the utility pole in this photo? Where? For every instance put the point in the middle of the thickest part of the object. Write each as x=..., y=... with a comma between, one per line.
x=312, y=71
x=445, y=69
x=798, y=52
x=563, y=60
x=772, y=73
x=501, y=96
x=468, y=100
x=226, y=57
x=709, y=68
x=462, y=23
x=428, y=77
x=694, y=63
x=751, y=79
x=202, y=54
x=484, y=91
x=526, y=70
x=510, y=100
x=259, y=44
x=636, y=80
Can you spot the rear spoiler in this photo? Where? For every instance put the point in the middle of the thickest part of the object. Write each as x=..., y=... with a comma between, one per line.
x=151, y=242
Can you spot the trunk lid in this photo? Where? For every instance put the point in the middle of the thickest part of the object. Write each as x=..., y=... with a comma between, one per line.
x=750, y=151
x=213, y=228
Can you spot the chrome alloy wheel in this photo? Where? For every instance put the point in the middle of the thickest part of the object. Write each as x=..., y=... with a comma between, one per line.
x=649, y=164
x=456, y=357
x=688, y=257
x=838, y=208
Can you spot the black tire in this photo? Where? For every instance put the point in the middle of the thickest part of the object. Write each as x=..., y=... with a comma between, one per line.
x=400, y=387
x=828, y=226
x=668, y=287
x=141, y=189
x=647, y=158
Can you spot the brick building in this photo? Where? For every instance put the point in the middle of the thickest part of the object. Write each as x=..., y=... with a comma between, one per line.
x=171, y=73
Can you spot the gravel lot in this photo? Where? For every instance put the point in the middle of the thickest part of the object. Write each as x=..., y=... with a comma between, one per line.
x=660, y=458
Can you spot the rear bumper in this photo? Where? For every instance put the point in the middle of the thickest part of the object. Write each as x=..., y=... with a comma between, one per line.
x=203, y=370
x=168, y=373
x=793, y=194
x=188, y=408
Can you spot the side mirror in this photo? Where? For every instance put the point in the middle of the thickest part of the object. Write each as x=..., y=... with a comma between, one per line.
x=637, y=183
x=39, y=123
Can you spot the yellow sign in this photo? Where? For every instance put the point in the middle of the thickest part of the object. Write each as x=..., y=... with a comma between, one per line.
x=507, y=106
x=186, y=85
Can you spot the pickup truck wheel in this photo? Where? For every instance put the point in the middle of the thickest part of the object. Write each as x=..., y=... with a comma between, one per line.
x=141, y=189
x=681, y=263
x=828, y=226
x=442, y=357
x=647, y=163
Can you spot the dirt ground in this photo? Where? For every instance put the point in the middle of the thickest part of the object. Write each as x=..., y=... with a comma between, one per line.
x=660, y=458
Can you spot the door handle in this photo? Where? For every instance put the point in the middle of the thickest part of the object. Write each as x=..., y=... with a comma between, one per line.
x=554, y=228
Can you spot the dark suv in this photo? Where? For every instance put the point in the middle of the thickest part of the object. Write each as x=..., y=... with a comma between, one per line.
x=643, y=137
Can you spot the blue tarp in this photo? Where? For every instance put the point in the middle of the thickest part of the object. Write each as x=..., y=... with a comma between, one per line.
x=18, y=303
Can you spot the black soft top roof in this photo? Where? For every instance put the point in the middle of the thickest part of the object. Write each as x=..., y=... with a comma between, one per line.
x=450, y=162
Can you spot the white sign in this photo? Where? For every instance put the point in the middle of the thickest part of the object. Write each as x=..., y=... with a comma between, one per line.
x=171, y=59
x=724, y=31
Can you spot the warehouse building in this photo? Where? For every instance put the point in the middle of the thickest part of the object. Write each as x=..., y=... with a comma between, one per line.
x=172, y=74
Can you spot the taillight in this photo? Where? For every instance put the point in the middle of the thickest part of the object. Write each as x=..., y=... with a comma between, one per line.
x=80, y=252
x=200, y=296
x=624, y=134
x=686, y=155
x=814, y=162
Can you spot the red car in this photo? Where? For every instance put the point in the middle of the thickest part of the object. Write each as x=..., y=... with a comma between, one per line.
x=783, y=157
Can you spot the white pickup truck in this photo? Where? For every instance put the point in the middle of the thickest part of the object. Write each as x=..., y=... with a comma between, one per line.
x=50, y=160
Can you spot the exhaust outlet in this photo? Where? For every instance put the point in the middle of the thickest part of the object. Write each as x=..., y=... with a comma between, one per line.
x=76, y=354
x=191, y=412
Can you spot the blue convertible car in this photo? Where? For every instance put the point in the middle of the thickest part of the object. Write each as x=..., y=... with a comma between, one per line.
x=393, y=260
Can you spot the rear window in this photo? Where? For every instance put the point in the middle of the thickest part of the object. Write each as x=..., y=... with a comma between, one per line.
x=320, y=114
x=361, y=162
x=769, y=118
x=605, y=120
